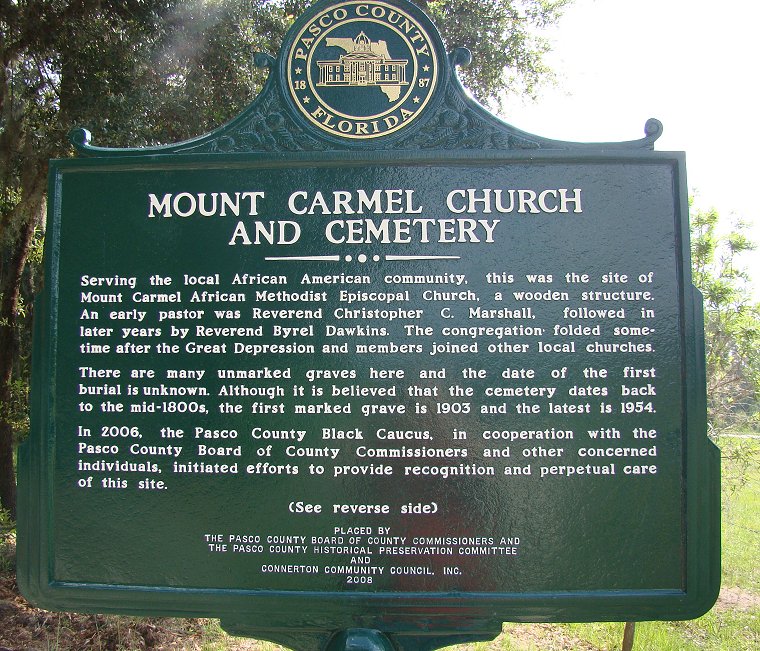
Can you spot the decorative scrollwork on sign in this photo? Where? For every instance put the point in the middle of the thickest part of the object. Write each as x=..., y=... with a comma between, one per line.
x=265, y=127
x=457, y=125
x=453, y=122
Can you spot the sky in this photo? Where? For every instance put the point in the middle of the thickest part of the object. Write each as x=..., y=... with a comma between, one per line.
x=692, y=64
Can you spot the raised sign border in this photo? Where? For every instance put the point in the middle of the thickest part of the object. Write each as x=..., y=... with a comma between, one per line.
x=277, y=615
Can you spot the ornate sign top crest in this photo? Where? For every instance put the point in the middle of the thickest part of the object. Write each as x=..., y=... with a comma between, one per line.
x=362, y=70
x=358, y=74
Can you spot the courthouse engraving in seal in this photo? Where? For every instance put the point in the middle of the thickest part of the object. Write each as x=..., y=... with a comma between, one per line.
x=362, y=69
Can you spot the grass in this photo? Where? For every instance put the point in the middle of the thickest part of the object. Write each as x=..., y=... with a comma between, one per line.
x=741, y=516
x=215, y=639
x=723, y=628
x=724, y=631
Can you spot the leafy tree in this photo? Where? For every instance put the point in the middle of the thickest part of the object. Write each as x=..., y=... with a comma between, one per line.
x=508, y=54
x=138, y=72
x=732, y=321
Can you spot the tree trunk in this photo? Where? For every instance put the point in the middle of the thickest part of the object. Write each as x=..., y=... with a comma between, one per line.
x=30, y=208
x=8, y=350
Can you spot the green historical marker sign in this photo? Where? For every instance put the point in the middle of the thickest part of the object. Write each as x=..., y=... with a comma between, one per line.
x=368, y=359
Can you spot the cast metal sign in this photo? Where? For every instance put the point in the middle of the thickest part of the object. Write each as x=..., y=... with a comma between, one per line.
x=368, y=359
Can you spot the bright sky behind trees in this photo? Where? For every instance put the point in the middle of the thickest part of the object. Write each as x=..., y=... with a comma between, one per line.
x=692, y=64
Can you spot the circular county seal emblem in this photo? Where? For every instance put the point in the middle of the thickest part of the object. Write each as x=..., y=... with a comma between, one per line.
x=362, y=70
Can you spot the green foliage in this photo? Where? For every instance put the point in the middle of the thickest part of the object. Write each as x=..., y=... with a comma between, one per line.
x=724, y=628
x=157, y=71
x=503, y=36
x=732, y=321
x=7, y=542
x=16, y=410
x=741, y=513
x=740, y=456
